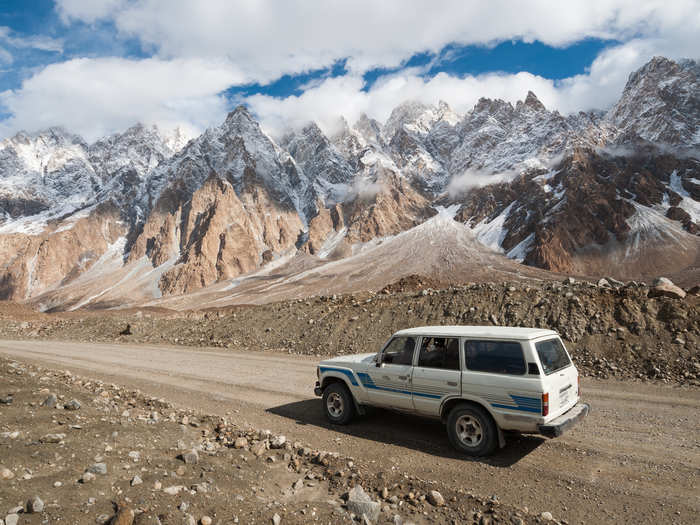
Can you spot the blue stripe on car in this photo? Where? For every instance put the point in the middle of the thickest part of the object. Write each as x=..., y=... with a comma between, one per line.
x=522, y=409
x=367, y=382
x=342, y=371
x=523, y=404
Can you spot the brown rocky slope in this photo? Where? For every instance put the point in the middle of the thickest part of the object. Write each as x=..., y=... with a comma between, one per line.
x=617, y=330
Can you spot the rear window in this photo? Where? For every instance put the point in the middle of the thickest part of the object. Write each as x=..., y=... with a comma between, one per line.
x=552, y=355
x=498, y=357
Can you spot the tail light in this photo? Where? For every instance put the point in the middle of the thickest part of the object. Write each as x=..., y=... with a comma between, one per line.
x=545, y=404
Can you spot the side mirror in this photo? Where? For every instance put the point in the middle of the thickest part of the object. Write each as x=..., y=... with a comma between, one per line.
x=378, y=360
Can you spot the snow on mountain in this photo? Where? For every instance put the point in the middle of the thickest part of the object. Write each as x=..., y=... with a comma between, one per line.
x=660, y=103
x=51, y=174
x=322, y=163
x=237, y=148
x=564, y=188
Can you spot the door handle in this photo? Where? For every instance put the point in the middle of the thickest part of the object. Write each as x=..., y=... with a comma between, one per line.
x=452, y=383
x=386, y=377
x=403, y=378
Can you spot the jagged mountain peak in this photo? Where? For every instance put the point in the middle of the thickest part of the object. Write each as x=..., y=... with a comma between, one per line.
x=660, y=103
x=53, y=135
x=492, y=105
x=531, y=101
x=412, y=116
x=369, y=129
x=240, y=121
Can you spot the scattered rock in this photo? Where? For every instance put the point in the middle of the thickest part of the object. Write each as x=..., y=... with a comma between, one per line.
x=136, y=480
x=6, y=473
x=206, y=520
x=87, y=477
x=12, y=519
x=98, y=468
x=50, y=401
x=191, y=457
x=52, y=438
x=546, y=516
x=241, y=442
x=35, y=505
x=259, y=448
x=173, y=490
x=276, y=520
x=125, y=516
x=359, y=503
x=73, y=404
x=6, y=400
x=278, y=442
x=435, y=498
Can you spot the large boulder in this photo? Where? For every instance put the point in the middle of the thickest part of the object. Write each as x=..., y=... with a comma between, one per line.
x=663, y=287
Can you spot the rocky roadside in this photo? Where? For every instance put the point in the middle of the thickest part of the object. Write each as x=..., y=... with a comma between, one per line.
x=613, y=329
x=81, y=451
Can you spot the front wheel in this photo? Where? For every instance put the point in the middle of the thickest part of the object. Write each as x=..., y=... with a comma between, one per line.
x=338, y=404
x=472, y=431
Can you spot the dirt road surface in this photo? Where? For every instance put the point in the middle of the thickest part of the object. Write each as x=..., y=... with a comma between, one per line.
x=635, y=459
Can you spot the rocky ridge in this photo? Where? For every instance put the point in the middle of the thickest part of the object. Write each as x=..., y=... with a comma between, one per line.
x=625, y=330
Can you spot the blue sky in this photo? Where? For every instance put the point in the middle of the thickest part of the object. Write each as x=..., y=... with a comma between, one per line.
x=97, y=66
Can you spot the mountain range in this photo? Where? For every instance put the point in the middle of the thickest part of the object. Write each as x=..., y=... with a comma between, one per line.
x=148, y=217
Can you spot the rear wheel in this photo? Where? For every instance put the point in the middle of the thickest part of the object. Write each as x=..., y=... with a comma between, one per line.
x=472, y=431
x=338, y=404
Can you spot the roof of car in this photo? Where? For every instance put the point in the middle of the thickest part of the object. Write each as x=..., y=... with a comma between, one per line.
x=495, y=332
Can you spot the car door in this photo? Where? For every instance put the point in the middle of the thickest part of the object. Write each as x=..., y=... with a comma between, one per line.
x=388, y=382
x=436, y=375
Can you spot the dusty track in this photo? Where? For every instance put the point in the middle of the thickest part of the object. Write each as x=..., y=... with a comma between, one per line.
x=636, y=459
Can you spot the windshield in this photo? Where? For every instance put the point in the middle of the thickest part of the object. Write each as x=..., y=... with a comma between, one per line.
x=552, y=355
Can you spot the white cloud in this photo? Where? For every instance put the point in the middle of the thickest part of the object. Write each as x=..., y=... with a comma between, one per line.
x=5, y=57
x=94, y=97
x=88, y=11
x=202, y=48
x=459, y=184
x=43, y=43
x=599, y=88
x=268, y=38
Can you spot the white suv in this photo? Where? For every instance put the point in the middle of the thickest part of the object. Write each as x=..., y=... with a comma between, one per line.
x=480, y=380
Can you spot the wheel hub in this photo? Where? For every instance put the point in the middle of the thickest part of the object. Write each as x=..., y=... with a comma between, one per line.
x=469, y=431
x=334, y=404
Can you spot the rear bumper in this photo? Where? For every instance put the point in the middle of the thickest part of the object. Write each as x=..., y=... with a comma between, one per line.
x=317, y=389
x=556, y=427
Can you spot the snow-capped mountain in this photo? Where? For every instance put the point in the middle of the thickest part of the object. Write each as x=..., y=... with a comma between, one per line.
x=660, y=103
x=614, y=192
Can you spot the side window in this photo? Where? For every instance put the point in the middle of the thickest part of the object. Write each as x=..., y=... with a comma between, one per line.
x=439, y=352
x=498, y=357
x=399, y=351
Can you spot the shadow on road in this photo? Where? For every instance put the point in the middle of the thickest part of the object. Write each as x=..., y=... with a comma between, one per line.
x=425, y=435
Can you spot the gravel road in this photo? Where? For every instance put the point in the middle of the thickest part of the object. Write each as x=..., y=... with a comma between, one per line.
x=635, y=459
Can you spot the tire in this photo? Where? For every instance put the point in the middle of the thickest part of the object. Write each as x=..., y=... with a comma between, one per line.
x=338, y=404
x=472, y=431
